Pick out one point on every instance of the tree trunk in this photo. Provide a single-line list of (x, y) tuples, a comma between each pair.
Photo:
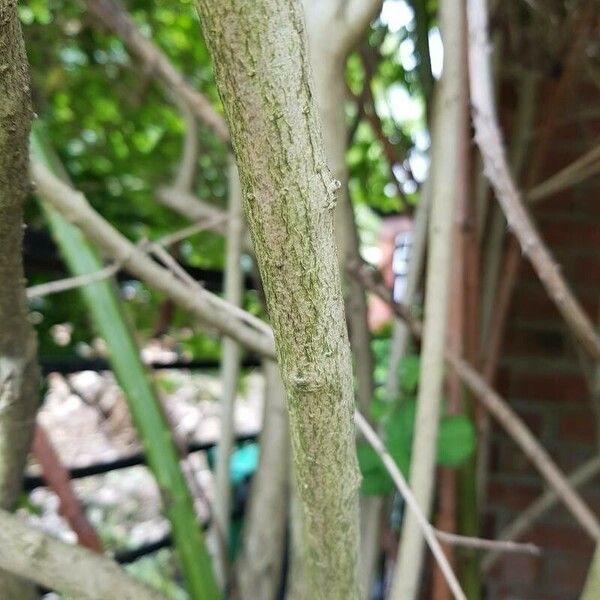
[(264, 79), (18, 368), (330, 95)]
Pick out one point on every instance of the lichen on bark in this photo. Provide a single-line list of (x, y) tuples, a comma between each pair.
[(262, 71)]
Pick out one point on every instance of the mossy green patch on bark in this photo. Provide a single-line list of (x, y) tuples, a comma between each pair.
[(262, 71)]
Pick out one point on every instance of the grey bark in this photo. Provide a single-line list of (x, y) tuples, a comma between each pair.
[(333, 28), (66, 568), (18, 368), (330, 95), (260, 562), (264, 79)]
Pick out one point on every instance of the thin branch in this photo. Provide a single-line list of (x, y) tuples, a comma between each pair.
[(230, 365), (186, 173), (489, 140), (70, 569), (207, 223), (500, 410), (534, 512), (421, 35), (582, 168), (428, 532), (69, 283), (357, 14), (58, 479), (115, 18), (207, 307), (500, 546), (194, 209), (551, 119)]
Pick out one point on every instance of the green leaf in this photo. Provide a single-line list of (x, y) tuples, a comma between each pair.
[(456, 440), (409, 373), (399, 434), (368, 459), (375, 479), (377, 483)]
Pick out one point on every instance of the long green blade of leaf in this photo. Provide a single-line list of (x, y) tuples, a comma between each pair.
[(109, 320)]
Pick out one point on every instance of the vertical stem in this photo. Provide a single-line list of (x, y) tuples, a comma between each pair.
[(400, 331), (422, 46), (330, 95), (230, 369), (260, 564), (18, 345), (449, 510), (289, 197), (446, 137)]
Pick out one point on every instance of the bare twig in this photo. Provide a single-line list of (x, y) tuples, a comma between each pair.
[(499, 546), (489, 140), (207, 223), (533, 513), (463, 541), (207, 307), (501, 411), (428, 532), (551, 119), (113, 16), (230, 365), (69, 283), (582, 168)]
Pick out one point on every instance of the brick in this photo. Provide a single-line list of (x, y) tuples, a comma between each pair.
[(567, 234), (566, 572), (535, 304), (512, 495), (578, 427), (535, 342), (511, 459), (588, 270), (550, 387), (563, 538), (520, 569)]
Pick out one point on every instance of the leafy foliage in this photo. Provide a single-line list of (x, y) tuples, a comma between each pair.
[(455, 443)]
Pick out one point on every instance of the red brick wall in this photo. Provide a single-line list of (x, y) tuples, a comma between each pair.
[(541, 376)]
